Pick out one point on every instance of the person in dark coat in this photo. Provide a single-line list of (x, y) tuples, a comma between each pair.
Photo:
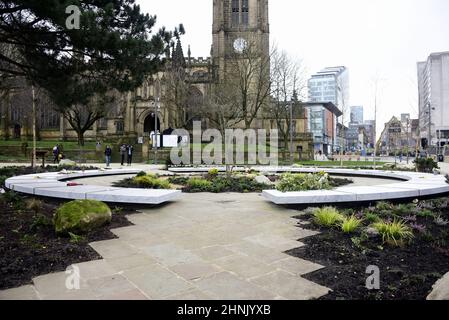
[(108, 155), (56, 154), (130, 151), (123, 151)]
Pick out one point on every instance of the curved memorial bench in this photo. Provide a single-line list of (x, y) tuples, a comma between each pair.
[(410, 185), (55, 185)]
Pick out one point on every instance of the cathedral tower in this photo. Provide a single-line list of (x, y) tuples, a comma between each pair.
[(236, 23)]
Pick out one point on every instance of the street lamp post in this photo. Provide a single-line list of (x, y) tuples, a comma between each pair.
[(408, 140), (34, 126), (156, 136), (291, 134)]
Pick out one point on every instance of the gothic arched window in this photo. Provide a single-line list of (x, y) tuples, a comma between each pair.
[(235, 12), (49, 118), (245, 12)]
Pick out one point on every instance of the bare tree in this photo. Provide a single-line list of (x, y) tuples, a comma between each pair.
[(344, 108), (288, 82), (244, 91)]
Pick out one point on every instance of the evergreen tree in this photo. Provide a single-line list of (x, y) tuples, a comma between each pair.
[(114, 49)]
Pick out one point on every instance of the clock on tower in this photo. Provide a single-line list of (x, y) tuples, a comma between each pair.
[(236, 25)]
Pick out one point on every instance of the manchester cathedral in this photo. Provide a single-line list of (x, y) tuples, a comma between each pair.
[(171, 98)]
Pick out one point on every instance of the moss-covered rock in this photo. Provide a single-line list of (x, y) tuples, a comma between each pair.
[(81, 217)]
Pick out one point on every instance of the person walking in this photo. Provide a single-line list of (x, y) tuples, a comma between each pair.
[(108, 155), (56, 154), (123, 151), (130, 151)]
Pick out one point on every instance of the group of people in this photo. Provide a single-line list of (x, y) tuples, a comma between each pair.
[(126, 153)]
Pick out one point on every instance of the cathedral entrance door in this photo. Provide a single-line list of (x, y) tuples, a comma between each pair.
[(149, 124)]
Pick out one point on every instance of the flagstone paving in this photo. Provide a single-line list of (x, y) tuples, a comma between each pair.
[(204, 246)]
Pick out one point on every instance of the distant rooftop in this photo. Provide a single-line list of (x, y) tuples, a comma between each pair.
[(434, 55), (328, 105), (331, 71)]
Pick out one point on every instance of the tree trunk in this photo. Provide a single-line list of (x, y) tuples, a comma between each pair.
[(80, 135)]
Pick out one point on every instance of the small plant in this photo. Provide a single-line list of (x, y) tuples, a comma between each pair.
[(440, 221), (351, 224), (150, 181), (303, 182), (2, 181), (35, 205), (117, 210), (410, 218), (28, 239), (425, 213), (328, 217), (383, 206), (141, 174), (371, 217), (394, 232), (199, 185), (418, 227), (40, 221), (213, 172), (74, 238), (178, 180), (403, 209)]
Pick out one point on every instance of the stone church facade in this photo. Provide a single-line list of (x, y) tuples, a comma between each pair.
[(137, 113)]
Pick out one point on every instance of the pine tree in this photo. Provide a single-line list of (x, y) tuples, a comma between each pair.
[(113, 50)]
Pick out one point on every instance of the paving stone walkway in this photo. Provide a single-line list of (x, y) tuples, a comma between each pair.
[(204, 246)]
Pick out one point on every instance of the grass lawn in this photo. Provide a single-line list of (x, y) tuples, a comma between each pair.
[(338, 163), (48, 144)]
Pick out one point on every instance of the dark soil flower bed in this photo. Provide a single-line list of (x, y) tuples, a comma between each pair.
[(29, 246), (217, 183), (407, 272)]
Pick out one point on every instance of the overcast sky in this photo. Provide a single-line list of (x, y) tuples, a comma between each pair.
[(374, 38)]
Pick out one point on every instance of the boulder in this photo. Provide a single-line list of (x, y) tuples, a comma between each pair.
[(440, 289), (81, 217), (67, 163), (263, 180)]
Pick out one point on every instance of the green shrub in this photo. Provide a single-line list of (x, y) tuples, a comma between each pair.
[(81, 217), (384, 206), (213, 172), (351, 224), (303, 182), (395, 232), (425, 165), (425, 213), (141, 174), (403, 209), (327, 217), (199, 185), (178, 180), (372, 217), (40, 221), (150, 181), (14, 199), (2, 181)]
